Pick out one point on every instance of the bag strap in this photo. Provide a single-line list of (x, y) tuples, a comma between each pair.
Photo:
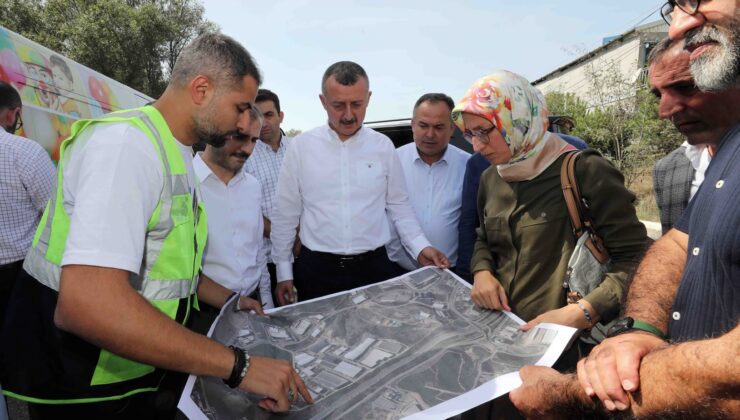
[(580, 222)]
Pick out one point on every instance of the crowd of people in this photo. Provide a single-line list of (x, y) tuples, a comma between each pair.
[(115, 263)]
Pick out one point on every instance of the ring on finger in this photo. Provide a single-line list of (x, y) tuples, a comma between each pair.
[(291, 395)]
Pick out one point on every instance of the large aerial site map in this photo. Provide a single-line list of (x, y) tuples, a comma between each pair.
[(413, 345)]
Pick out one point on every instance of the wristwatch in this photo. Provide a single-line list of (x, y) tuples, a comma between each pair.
[(628, 324)]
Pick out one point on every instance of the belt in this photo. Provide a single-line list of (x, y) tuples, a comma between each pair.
[(11, 265), (343, 261)]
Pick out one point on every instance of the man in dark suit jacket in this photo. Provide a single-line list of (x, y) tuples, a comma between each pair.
[(672, 177)]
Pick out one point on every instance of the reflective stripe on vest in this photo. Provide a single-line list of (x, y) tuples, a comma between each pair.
[(156, 281), (175, 239)]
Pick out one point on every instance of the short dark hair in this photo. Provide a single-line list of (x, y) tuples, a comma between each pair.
[(346, 73), (9, 97), (268, 95), (216, 56), (434, 98), (659, 50)]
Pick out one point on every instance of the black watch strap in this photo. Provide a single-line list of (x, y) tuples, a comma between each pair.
[(628, 324)]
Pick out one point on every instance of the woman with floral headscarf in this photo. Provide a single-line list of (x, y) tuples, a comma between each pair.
[(525, 237)]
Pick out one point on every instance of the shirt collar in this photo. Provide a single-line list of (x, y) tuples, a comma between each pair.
[(694, 153), (334, 136), (417, 157), (203, 172), (263, 144)]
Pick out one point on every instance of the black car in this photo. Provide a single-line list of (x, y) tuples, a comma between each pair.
[(399, 131)]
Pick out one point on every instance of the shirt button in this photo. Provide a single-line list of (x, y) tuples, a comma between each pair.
[(720, 183), (676, 315), (695, 251)]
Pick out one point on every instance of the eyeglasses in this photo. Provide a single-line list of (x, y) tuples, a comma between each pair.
[(687, 6), (481, 134)]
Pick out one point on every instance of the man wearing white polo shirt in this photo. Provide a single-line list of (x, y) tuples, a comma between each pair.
[(434, 171)]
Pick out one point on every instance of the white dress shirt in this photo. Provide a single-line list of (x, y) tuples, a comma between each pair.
[(233, 256), (699, 157), (340, 191), (264, 164), (27, 178), (435, 192)]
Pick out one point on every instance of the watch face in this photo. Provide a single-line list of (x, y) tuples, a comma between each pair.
[(621, 326)]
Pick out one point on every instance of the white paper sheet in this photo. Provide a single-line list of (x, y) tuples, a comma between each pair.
[(411, 347)]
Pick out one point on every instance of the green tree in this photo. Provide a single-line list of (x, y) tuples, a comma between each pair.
[(133, 41), (293, 132), (620, 120)]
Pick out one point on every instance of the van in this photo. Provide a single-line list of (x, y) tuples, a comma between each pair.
[(57, 91)]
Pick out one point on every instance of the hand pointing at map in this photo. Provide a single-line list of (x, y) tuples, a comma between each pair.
[(275, 379)]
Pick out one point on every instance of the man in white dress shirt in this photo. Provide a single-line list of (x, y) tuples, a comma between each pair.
[(233, 256), (338, 180), (434, 171)]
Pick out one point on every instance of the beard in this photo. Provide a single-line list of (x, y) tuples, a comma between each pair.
[(223, 159), (717, 68), (206, 130)]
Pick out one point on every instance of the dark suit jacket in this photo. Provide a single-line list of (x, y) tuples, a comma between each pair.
[(672, 178)]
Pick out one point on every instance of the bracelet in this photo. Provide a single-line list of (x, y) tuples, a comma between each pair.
[(239, 371), (586, 314)]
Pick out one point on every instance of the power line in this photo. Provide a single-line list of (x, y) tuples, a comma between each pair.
[(652, 12)]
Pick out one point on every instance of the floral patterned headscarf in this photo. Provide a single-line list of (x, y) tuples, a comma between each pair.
[(518, 111)]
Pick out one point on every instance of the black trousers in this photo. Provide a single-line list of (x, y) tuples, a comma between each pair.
[(144, 406), (8, 274), (319, 274)]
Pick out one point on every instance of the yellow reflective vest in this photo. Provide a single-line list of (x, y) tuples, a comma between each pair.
[(175, 239)]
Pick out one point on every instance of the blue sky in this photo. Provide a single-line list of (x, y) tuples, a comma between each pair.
[(411, 47)]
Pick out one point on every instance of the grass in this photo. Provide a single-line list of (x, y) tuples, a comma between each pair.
[(642, 187)]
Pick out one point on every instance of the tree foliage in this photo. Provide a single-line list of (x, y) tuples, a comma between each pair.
[(620, 120), (133, 41), (293, 132)]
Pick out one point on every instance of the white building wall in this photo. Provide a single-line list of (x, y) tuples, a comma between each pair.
[(623, 58)]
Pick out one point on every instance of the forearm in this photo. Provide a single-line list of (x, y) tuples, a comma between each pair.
[(482, 259), (99, 305), (699, 379), (565, 399), (656, 280), (211, 292)]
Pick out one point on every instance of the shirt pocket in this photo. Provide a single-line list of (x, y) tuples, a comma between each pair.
[(541, 235), (498, 237), (371, 177)]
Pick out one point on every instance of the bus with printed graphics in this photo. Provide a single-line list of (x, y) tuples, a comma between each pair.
[(57, 91)]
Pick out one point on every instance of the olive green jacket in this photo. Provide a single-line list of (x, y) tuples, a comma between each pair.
[(525, 236)]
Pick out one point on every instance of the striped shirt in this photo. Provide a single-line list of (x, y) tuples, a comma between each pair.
[(706, 303), (27, 178), (264, 164)]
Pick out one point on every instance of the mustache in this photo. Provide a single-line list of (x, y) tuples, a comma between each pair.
[(347, 122), (241, 155), (704, 33)]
